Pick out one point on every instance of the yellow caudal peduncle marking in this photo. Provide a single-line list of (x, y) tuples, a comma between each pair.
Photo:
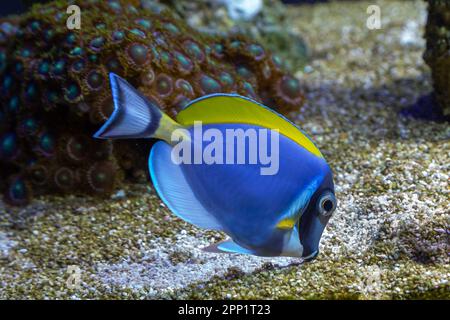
[(165, 129), (235, 109)]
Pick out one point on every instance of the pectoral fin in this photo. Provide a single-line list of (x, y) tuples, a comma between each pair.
[(291, 216)]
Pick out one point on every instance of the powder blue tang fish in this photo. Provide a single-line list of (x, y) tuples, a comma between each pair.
[(267, 209)]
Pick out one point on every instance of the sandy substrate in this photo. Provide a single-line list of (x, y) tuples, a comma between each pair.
[(389, 237)]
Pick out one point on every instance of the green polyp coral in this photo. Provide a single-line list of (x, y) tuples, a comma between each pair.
[(55, 89), (437, 54)]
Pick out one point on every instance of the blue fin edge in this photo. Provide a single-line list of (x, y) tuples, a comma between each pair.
[(114, 114)]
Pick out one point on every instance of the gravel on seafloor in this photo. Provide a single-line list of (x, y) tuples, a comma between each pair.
[(389, 237)]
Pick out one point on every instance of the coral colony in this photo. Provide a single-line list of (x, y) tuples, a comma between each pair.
[(55, 92)]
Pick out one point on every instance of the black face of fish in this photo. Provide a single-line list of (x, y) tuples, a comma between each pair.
[(315, 217)]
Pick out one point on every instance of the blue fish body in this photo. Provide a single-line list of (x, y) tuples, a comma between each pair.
[(280, 214), (246, 204)]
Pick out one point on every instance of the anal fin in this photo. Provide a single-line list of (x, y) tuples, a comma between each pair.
[(227, 246)]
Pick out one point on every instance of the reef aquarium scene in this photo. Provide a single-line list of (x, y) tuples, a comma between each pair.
[(225, 150)]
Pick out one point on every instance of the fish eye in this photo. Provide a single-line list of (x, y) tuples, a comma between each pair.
[(327, 204)]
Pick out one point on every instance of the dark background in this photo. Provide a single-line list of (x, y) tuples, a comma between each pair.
[(18, 6)]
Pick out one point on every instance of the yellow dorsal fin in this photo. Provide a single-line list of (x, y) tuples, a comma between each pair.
[(232, 108)]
